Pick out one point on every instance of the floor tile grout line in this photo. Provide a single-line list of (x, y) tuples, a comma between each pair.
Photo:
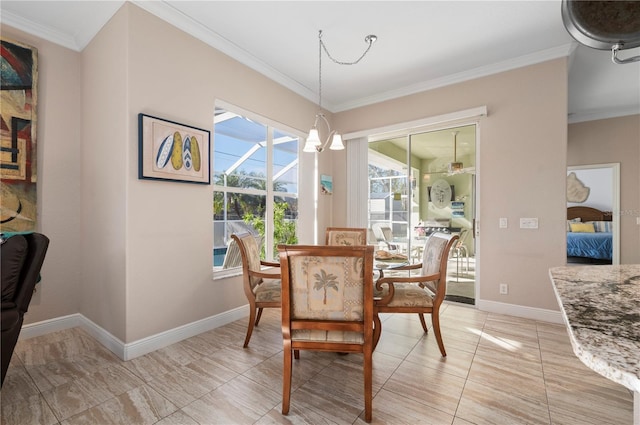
[(466, 379), (544, 375)]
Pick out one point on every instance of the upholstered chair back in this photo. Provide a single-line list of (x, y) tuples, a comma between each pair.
[(434, 260), (251, 251), (328, 288), (349, 236)]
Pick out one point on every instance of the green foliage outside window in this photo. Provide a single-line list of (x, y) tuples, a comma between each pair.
[(284, 230)]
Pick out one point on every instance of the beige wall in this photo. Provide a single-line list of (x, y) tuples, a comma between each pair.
[(168, 226), (134, 256), (59, 162), (615, 140), (521, 171)]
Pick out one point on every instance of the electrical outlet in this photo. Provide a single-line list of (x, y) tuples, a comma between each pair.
[(529, 223), (504, 289), (503, 222)]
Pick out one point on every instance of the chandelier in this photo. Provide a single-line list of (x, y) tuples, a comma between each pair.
[(314, 144)]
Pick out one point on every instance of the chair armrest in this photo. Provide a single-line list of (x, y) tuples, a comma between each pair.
[(265, 275), (409, 267), (269, 263), (400, 279), (407, 279)]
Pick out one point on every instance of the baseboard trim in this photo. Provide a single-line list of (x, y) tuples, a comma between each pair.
[(137, 348), (44, 327), (163, 339), (533, 313)]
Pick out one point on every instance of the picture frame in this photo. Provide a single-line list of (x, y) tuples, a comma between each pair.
[(171, 151), (453, 194), (326, 184), (18, 112)]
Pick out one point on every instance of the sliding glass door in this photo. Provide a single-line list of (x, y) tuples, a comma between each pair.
[(424, 182)]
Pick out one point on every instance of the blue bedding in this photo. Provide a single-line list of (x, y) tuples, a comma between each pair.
[(590, 245)]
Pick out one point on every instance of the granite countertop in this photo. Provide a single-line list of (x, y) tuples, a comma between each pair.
[(601, 307)]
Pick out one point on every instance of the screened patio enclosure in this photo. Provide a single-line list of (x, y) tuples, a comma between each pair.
[(255, 178)]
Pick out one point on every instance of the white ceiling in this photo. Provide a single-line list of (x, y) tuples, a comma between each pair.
[(421, 44)]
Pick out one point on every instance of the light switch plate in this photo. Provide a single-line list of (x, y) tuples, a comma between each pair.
[(503, 222), (529, 223)]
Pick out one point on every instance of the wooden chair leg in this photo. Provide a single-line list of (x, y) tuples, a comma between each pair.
[(377, 330), (286, 378), (259, 316), (252, 316), (423, 323), (435, 319), (368, 385)]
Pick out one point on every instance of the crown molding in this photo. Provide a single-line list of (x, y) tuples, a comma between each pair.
[(171, 15), (472, 74), (602, 114), (42, 31), (196, 29), (176, 18)]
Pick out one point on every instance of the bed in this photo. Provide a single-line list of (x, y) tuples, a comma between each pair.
[(589, 236)]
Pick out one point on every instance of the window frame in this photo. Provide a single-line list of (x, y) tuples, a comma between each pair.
[(269, 193)]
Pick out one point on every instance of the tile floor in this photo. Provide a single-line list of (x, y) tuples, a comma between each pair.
[(499, 370)]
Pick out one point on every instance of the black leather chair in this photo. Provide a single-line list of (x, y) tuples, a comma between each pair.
[(21, 258)]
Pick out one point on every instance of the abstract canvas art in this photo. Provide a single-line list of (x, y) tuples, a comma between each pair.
[(18, 81)]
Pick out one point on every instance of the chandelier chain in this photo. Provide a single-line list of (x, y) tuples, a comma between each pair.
[(370, 39)]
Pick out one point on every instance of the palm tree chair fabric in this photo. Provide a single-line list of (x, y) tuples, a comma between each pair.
[(261, 286), (327, 305), (422, 293), (349, 236)]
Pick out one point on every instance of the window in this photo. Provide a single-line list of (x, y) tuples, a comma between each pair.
[(255, 185), (388, 192)]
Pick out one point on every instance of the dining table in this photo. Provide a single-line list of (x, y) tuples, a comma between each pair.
[(601, 309)]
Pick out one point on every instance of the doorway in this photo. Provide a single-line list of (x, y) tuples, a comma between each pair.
[(596, 187), (422, 182)]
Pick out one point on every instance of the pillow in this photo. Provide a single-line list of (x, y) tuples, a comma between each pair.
[(573, 220), (582, 228), (602, 226)]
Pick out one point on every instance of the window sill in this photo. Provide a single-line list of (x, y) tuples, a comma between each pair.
[(219, 274)]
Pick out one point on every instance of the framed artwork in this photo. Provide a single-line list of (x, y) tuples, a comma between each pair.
[(441, 193), (18, 168), (172, 151), (326, 184)]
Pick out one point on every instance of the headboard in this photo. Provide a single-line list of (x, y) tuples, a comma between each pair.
[(588, 214)]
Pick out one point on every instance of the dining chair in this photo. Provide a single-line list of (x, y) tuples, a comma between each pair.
[(327, 305), (384, 235), (459, 250), (349, 236), (232, 257), (261, 286), (422, 293)]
